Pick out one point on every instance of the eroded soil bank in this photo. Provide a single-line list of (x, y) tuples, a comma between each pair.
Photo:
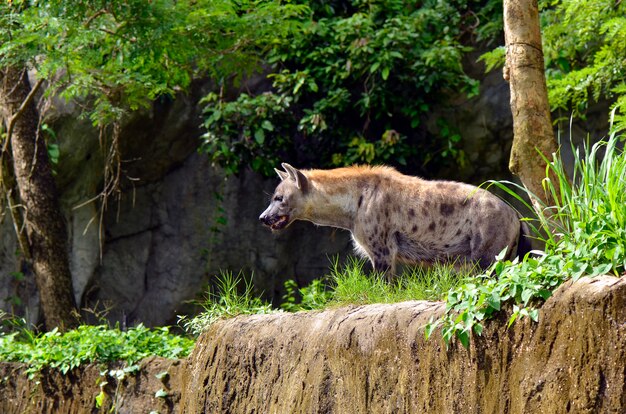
[(75, 392), (373, 359)]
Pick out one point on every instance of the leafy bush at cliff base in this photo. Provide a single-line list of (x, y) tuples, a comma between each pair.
[(354, 86), (588, 239), (87, 344)]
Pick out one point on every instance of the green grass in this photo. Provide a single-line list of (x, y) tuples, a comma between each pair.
[(352, 285), (346, 284)]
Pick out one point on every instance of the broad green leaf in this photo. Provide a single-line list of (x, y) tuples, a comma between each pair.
[(259, 136), (385, 73)]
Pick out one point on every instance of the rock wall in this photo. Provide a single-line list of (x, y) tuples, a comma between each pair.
[(372, 359), (165, 248), (178, 224)]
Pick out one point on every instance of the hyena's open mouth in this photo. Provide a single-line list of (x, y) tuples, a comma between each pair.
[(280, 223)]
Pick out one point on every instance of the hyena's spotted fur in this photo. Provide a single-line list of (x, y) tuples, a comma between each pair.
[(397, 218)]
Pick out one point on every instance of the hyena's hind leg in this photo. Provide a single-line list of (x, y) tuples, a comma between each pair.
[(488, 242)]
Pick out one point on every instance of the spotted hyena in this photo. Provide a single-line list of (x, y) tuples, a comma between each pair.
[(398, 218)]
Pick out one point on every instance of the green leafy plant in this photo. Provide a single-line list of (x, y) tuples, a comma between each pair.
[(585, 235), (493, 59), (314, 296), (236, 131), (590, 65), (87, 344), (390, 148)]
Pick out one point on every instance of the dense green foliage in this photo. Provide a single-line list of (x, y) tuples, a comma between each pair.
[(122, 55), (584, 44), (591, 64), (354, 86), (87, 344), (588, 238)]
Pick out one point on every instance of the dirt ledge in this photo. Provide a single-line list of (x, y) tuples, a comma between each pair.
[(372, 359), (54, 393)]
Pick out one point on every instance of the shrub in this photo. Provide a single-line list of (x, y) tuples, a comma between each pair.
[(87, 344), (354, 85)]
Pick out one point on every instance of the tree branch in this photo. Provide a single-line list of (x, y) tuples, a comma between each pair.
[(95, 16), (15, 116)]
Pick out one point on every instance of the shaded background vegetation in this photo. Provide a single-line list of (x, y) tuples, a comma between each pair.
[(356, 85)]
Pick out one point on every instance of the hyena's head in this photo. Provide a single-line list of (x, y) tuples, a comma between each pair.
[(288, 200)]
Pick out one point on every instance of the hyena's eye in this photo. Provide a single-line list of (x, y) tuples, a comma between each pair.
[(278, 198)]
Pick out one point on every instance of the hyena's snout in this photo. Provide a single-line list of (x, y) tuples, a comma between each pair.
[(265, 218), (273, 220)]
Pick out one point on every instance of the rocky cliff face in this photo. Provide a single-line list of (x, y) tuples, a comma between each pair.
[(374, 359), (179, 223)]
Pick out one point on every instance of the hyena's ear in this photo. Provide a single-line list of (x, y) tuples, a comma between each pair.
[(301, 181), (282, 174)]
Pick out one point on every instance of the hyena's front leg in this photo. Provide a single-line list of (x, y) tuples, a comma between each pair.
[(372, 240), (383, 258)]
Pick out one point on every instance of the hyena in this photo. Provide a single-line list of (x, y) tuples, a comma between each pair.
[(395, 218)]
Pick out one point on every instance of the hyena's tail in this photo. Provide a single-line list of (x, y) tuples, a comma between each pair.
[(524, 245)]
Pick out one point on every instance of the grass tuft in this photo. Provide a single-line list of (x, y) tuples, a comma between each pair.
[(351, 284), (227, 301)]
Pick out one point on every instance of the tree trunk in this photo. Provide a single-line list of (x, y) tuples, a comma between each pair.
[(45, 226), (524, 69)]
